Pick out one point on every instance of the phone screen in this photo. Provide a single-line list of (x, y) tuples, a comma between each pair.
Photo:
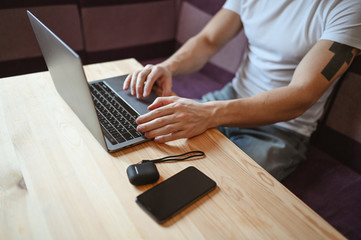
[(169, 197)]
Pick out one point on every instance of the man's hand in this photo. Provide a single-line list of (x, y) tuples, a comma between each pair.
[(173, 118), (141, 82)]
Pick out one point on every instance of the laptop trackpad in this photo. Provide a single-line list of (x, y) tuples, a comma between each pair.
[(140, 105)]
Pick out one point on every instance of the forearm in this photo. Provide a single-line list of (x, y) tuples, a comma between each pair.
[(273, 106), (190, 57), (200, 48)]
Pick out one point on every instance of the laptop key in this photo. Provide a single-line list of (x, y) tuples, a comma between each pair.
[(109, 137), (128, 136), (135, 133), (122, 130), (116, 116), (119, 138)]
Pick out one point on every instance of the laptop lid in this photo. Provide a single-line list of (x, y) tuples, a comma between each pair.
[(67, 72)]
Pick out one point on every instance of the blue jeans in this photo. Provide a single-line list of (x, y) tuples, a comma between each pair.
[(278, 150)]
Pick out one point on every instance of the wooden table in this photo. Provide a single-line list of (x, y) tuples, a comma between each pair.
[(57, 182)]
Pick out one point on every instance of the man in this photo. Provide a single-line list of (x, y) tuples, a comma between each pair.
[(297, 51)]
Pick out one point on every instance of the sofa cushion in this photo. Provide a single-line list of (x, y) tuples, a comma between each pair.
[(339, 146), (330, 189), (195, 85)]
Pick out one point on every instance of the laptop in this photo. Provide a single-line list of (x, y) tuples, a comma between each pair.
[(104, 108)]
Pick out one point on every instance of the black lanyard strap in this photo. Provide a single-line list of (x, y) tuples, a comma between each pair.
[(180, 157)]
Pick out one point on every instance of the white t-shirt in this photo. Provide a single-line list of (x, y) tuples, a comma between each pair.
[(280, 33)]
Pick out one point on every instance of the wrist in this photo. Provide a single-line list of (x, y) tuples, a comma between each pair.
[(168, 66), (214, 110)]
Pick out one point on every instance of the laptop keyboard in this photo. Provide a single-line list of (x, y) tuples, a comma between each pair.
[(116, 117)]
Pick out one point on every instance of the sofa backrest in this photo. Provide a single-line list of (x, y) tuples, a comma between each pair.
[(115, 29), (103, 30), (99, 30), (339, 133), (19, 48)]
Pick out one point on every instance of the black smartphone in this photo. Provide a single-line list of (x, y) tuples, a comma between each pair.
[(174, 194)]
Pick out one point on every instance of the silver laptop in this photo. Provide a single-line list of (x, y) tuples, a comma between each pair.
[(104, 108)]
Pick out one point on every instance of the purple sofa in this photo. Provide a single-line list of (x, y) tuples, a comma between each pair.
[(330, 180), (150, 30)]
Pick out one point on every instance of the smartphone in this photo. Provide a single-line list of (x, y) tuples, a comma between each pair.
[(174, 194)]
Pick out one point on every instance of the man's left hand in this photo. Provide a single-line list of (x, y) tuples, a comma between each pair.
[(173, 118)]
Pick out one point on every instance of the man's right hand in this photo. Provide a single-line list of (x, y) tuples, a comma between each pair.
[(141, 82)]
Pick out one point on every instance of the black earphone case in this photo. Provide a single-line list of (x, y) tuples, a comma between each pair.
[(142, 173)]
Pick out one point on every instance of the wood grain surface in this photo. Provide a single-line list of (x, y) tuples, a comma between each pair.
[(57, 182)]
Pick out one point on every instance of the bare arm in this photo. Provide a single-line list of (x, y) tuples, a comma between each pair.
[(174, 118), (321, 66), (199, 49), (189, 58)]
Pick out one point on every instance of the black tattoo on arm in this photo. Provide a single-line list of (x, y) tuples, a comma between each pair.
[(343, 53)]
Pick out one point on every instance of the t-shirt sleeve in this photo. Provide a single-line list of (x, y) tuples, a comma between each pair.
[(233, 5), (344, 23)]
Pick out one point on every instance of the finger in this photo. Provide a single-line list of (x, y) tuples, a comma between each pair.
[(142, 76), (162, 101), (169, 137), (155, 75), (167, 89), (151, 79), (164, 130), (155, 115), (127, 81), (133, 82)]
